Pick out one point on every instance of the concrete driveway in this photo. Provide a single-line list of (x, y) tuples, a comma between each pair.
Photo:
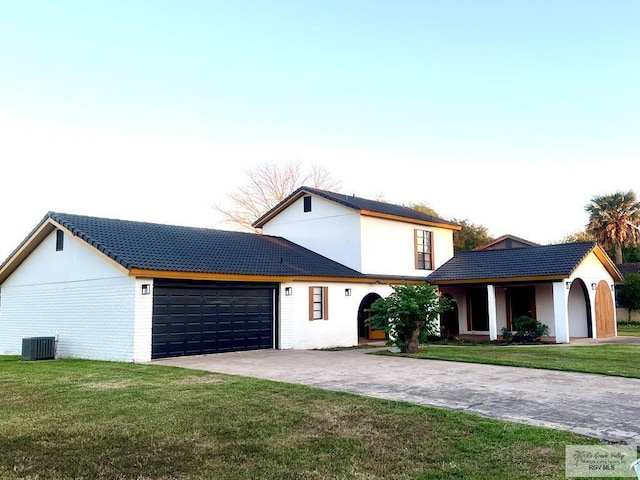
[(594, 405)]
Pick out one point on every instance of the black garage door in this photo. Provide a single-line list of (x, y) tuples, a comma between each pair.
[(192, 318)]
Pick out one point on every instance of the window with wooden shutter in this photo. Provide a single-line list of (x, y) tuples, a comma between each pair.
[(423, 240), (318, 303)]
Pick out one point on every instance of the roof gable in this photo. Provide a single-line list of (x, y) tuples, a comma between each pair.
[(362, 205), (507, 241), (153, 247), (550, 262)]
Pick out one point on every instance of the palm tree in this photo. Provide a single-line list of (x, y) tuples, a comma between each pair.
[(614, 220)]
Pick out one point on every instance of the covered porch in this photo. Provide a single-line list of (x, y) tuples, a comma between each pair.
[(569, 288)]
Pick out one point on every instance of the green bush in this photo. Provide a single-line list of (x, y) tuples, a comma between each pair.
[(507, 336), (528, 329)]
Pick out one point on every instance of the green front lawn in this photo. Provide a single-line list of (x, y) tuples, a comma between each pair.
[(629, 329), (617, 360), (67, 419)]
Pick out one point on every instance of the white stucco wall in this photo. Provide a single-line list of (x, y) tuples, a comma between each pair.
[(388, 247), (328, 229), (367, 244), (544, 306), (340, 330), (86, 302), (590, 271)]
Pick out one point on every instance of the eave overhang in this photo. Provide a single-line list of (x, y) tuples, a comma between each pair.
[(501, 280), (398, 218)]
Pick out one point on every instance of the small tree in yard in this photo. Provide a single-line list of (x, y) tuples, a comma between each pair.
[(409, 314), (629, 293)]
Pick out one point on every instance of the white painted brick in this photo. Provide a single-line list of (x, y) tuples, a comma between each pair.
[(90, 318)]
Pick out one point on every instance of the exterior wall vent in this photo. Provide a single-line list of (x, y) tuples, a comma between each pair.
[(38, 348)]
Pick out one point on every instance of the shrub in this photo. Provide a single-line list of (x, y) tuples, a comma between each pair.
[(507, 336), (528, 329)]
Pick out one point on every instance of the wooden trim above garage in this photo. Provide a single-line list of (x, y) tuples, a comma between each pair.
[(139, 272)]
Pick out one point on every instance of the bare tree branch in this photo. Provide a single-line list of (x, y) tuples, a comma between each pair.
[(266, 186)]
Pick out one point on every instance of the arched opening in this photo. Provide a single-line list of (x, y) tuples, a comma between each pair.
[(449, 322), (579, 310), (605, 320), (364, 330)]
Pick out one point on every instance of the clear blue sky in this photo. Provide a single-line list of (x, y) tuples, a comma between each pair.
[(512, 114)]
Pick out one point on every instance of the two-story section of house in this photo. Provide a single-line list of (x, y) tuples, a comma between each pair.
[(369, 236), (382, 241)]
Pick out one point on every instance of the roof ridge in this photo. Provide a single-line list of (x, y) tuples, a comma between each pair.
[(359, 204)]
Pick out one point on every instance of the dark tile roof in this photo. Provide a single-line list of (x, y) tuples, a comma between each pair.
[(626, 268), (524, 262), (152, 246), (358, 203)]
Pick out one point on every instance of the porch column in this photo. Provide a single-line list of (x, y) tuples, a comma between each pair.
[(493, 312), (561, 312)]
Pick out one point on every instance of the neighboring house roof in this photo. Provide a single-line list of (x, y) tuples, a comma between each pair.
[(507, 241), (544, 262), (151, 249), (626, 268), (365, 206)]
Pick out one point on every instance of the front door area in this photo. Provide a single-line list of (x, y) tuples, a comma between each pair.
[(364, 329)]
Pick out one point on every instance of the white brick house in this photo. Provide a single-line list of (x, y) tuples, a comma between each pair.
[(130, 291)]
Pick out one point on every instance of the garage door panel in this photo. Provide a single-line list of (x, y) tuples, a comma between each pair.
[(193, 318)]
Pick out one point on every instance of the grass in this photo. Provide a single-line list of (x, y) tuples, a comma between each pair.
[(73, 419), (615, 360), (629, 329)]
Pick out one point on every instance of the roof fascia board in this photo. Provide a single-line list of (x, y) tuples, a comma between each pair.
[(260, 222), (608, 263), (467, 281), (139, 272), (398, 218)]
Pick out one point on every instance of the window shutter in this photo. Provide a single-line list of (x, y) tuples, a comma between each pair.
[(431, 237), (325, 302), (310, 303), (415, 249)]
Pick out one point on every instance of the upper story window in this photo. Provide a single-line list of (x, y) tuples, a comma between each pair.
[(423, 240), (307, 203), (318, 303), (59, 240)]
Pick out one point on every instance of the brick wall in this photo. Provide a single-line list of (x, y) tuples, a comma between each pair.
[(90, 318)]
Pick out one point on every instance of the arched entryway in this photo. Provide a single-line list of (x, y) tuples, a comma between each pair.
[(579, 309), (449, 323), (605, 320), (364, 330)]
